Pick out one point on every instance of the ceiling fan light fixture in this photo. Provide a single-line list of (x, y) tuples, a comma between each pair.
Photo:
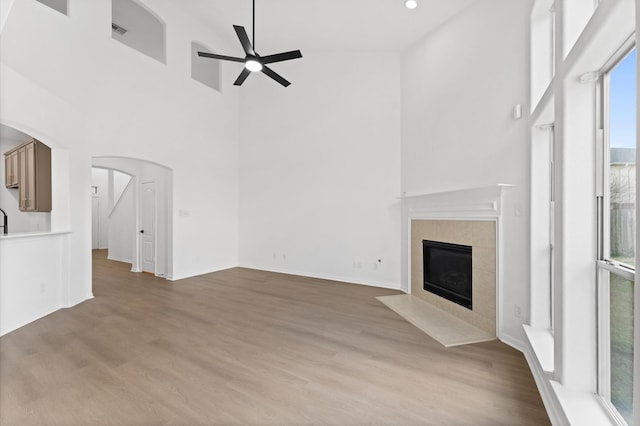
[(253, 65), (252, 61), (411, 4)]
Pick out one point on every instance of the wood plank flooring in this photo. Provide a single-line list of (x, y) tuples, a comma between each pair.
[(249, 347)]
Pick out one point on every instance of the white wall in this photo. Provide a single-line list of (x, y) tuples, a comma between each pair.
[(320, 168), (133, 106), (122, 228), (459, 86), (27, 292), (119, 184)]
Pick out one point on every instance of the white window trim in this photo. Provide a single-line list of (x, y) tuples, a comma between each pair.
[(605, 266)]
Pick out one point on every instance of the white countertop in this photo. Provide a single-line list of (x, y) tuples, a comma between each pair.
[(16, 235)]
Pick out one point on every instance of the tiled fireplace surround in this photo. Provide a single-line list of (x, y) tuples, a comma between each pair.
[(469, 217), (481, 236)]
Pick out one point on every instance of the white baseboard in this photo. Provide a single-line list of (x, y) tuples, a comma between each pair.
[(288, 272), (119, 259), (184, 276), (549, 398), (323, 277), (516, 344)]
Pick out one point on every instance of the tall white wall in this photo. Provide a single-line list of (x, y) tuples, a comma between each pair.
[(459, 86), (320, 168), (134, 106)]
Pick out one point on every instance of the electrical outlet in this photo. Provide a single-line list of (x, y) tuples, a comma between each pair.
[(517, 311)]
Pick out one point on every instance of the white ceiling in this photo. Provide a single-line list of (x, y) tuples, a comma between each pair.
[(352, 25)]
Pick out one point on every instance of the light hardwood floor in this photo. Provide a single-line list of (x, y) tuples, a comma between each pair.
[(250, 347)]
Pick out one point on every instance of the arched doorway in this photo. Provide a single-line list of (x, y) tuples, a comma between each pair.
[(129, 208)]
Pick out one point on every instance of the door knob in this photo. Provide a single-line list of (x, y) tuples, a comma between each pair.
[(142, 231)]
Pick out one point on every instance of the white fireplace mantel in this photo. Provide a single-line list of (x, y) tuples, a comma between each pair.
[(483, 203)]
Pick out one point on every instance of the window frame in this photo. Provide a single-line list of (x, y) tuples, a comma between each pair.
[(604, 265)]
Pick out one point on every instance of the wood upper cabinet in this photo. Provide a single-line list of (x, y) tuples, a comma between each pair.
[(33, 166)]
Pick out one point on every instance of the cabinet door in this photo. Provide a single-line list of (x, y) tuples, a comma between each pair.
[(14, 169), (27, 172), (8, 171), (22, 171), (31, 177), (11, 170)]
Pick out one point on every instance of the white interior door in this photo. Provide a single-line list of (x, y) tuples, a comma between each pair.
[(148, 229), (95, 223)]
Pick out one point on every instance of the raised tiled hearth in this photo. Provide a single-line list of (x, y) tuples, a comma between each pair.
[(481, 236)]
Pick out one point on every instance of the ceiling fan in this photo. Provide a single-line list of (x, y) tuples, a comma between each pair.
[(252, 61)]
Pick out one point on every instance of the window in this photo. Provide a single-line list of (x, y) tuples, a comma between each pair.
[(138, 28), (616, 168), (543, 255), (205, 70), (59, 5)]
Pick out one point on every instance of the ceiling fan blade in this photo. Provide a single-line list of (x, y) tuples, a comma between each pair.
[(244, 40), (277, 77), (279, 57), (242, 77), (224, 58)]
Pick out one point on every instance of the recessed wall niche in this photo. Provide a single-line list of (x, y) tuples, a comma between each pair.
[(204, 70), (59, 5), (137, 27)]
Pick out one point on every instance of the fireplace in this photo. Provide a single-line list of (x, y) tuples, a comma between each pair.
[(447, 271), (468, 217)]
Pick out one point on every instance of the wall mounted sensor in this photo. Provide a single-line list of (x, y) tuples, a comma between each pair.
[(517, 112)]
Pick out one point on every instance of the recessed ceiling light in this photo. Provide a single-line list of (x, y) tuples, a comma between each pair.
[(411, 4)]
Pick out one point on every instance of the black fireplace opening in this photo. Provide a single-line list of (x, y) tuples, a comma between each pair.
[(447, 271)]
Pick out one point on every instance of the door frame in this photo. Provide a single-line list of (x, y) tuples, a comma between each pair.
[(139, 237)]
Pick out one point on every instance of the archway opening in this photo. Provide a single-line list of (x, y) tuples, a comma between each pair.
[(124, 208)]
